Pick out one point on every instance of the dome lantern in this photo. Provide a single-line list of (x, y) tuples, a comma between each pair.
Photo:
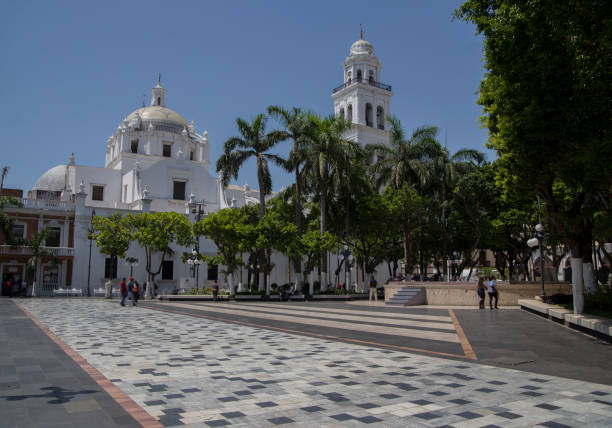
[(158, 94)]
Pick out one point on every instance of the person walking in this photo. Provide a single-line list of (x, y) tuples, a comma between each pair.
[(372, 283), (136, 291), (130, 290), (215, 290), (481, 292), (123, 290), (492, 290)]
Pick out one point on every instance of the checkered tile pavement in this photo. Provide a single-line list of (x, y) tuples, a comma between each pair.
[(189, 371)]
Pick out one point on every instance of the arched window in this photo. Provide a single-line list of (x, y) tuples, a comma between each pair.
[(368, 115), (371, 76), (359, 76), (342, 113), (158, 100), (348, 77), (380, 117), (349, 113)]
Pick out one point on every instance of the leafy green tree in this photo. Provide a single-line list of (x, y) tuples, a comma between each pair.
[(112, 236), (6, 222), (156, 232), (227, 229), (408, 208), (448, 170), (471, 221), (312, 245), (547, 106)]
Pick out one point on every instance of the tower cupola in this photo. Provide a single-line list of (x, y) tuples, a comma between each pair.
[(158, 94)]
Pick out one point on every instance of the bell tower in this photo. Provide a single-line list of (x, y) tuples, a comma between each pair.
[(362, 99)]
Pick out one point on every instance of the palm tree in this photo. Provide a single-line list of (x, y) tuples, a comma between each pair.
[(328, 150), (404, 160), (449, 170), (39, 252), (4, 172), (253, 142), (297, 127)]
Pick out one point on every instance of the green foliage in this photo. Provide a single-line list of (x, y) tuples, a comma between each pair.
[(112, 235), (253, 142), (546, 103), (230, 231), (156, 232)]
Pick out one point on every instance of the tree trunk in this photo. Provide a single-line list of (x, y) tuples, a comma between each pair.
[(407, 253), (297, 260), (577, 284), (323, 272), (230, 280)]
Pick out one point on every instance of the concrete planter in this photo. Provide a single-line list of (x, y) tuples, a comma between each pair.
[(464, 293)]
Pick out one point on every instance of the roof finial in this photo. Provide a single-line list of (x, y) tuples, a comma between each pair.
[(143, 99), (360, 31), (159, 79)]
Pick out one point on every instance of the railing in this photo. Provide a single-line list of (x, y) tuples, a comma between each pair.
[(365, 82), (45, 204), (26, 250)]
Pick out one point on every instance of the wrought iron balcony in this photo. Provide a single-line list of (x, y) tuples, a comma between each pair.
[(365, 82)]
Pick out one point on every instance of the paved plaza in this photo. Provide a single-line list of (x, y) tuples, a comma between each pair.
[(200, 365)]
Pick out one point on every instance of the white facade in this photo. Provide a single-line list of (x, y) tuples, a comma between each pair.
[(156, 161), (362, 99)]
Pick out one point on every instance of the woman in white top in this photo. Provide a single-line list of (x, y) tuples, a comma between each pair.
[(492, 290)]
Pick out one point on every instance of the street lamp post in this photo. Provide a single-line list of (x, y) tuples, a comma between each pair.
[(93, 213), (347, 257), (132, 261), (537, 240), (199, 209), (194, 261)]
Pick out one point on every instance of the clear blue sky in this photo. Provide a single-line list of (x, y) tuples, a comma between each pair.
[(72, 70)]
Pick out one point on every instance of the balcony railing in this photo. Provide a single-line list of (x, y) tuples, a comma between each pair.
[(26, 250), (365, 82), (45, 204)]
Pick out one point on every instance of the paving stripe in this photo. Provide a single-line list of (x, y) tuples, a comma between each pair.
[(130, 406), (394, 331), (168, 308), (357, 312), (372, 317), (465, 343)]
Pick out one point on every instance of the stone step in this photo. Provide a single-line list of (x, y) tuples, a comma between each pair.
[(406, 296)]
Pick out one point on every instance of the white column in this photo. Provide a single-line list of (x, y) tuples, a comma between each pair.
[(577, 284)]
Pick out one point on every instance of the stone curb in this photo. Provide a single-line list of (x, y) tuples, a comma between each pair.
[(590, 324)]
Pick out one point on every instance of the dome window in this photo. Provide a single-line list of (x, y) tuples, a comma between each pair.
[(349, 113), (359, 75), (167, 150), (371, 76), (134, 146)]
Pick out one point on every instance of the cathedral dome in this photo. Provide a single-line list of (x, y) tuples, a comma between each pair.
[(160, 117), (361, 47), (54, 180)]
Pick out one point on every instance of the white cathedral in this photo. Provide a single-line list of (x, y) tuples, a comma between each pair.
[(157, 161)]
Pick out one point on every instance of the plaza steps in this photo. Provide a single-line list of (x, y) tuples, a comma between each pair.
[(407, 296)]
